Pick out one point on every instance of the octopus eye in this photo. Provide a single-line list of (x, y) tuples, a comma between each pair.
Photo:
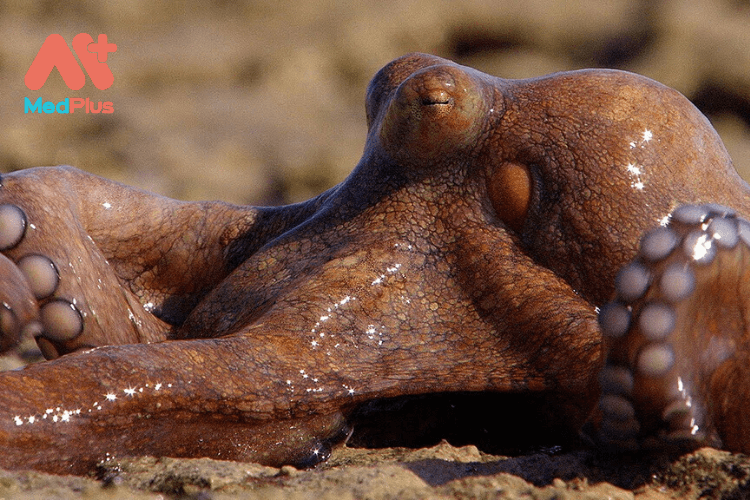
[(510, 190), (436, 97), (435, 114)]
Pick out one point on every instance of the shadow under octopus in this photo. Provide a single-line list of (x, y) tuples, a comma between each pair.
[(454, 277)]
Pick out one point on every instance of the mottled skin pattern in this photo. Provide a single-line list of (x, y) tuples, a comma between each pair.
[(467, 251)]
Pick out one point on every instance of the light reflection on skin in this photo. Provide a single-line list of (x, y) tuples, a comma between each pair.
[(62, 415), (327, 320), (634, 168)]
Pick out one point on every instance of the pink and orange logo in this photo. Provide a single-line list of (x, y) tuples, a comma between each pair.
[(55, 53)]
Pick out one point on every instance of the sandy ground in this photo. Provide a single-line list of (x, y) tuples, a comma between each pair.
[(439, 472), (262, 102)]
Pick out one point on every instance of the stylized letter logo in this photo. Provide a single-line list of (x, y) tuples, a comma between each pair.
[(55, 53)]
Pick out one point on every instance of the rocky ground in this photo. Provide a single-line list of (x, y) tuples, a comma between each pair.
[(262, 102), (439, 472)]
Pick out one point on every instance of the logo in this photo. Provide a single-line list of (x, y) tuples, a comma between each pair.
[(55, 53)]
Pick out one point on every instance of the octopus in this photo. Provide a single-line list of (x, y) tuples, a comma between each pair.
[(562, 241)]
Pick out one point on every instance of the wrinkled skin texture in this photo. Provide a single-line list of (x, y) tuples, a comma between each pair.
[(467, 251)]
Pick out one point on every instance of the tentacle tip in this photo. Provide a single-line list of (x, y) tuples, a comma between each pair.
[(32, 329)]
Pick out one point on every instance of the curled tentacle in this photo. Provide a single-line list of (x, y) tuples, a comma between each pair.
[(19, 312), (53, 291), (52, 320), (679, 320)]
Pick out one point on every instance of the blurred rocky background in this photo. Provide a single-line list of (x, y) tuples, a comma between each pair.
[(262, 101)]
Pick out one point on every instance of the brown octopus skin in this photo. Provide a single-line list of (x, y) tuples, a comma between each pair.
[(467, 251)]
